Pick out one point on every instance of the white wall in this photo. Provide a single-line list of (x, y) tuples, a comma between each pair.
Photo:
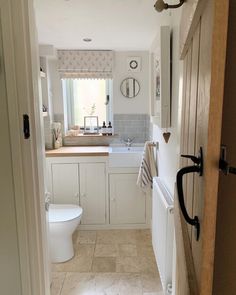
[(168, 154), (56, 87), (139, 104)]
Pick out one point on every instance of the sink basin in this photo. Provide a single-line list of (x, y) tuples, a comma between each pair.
[(125, 149), (122, 156)]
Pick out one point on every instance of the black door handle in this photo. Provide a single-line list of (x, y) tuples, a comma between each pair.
[(197, 168)]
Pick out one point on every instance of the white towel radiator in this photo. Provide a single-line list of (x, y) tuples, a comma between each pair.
[(163, 232)]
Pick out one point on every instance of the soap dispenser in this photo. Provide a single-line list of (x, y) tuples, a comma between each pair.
[(104, 128), (109, 128)]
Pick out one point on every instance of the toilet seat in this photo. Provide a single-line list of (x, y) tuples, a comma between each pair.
[(64, 212)]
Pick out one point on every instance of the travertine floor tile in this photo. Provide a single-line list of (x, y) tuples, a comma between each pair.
[(102, 284), (144, 237), (109, 262), (57, 282), (106, 250), (127, 237), (104, 264), (107, 236), (145, 250), (117, 236), (86, 237), (79, 283), (127, 250), (137, 264), (122, 284), (151, 282), (76, 264), (84, 249)]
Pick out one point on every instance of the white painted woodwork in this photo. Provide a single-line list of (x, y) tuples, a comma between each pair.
[(161, 105), (9, 246), (90, 176), (65, 183), (19, 59), (127, 201), (93, 192)]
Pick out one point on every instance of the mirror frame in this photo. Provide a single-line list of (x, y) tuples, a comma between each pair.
[(139, 87)]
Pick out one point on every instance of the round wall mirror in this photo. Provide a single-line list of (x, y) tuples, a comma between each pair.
[(130, 87)]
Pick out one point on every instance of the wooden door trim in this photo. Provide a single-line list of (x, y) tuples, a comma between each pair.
[(191, 14), (184, 251), (219, 46)]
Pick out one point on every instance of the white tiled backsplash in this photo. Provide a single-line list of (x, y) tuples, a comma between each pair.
[(135, 126)]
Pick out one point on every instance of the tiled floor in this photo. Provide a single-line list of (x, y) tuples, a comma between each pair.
[(109, 262)]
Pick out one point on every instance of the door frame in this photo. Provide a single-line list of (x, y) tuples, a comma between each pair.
[(23, 92), (192, 12)]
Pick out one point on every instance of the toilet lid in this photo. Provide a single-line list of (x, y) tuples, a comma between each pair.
[(63, 212)]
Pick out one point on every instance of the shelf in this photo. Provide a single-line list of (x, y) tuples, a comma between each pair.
[(94, 135), (42, 74)]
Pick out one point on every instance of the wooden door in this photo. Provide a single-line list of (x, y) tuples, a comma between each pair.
[(203, 49), (65, 183), (127, 202), (93, 193)]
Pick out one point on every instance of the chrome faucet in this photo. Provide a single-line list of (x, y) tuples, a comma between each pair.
[(128, 142)]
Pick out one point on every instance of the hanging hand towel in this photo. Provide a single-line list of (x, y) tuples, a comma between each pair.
[(148, 168)]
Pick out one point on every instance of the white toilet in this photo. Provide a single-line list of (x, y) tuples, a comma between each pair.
[(63, 220)]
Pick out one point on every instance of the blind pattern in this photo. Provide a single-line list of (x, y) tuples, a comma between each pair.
[(87, 64)]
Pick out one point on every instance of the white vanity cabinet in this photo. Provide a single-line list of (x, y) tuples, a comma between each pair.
[(127, 201), (65, 183), (81, 181), (93, 192), (109, 196)]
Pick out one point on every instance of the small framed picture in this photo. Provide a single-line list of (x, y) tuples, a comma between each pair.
[(91, 125), (134, 64)]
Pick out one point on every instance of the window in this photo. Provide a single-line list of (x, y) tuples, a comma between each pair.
[(86, 97)]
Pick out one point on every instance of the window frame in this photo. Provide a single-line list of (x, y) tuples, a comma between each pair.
[(68, 100)]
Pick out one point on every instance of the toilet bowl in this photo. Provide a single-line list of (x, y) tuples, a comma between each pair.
[(63, 220)]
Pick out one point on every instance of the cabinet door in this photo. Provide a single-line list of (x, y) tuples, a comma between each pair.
[(127, 201), (65, 183), (93, 193)]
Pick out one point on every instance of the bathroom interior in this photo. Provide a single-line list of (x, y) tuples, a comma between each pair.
[(110, 103)]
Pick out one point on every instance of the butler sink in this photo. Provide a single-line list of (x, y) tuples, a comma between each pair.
[(123, 156)]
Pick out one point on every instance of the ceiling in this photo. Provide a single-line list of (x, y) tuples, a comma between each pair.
[(111, 24)]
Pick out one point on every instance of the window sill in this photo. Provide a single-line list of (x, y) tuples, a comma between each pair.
[(92, 135)]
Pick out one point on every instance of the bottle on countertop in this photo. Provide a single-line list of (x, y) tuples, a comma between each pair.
[(109, 128), (104, 128)]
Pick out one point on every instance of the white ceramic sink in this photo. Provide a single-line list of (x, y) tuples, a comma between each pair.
[(125, 149), (122, 156)]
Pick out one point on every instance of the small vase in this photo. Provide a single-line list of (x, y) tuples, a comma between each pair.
[(57, 144)]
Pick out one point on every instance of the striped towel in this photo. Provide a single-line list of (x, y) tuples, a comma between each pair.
[(148, 168)]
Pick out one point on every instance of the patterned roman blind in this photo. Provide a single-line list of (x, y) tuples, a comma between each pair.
[(90, 64)]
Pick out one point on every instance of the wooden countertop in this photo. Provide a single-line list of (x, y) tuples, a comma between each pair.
[(79, 151)]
